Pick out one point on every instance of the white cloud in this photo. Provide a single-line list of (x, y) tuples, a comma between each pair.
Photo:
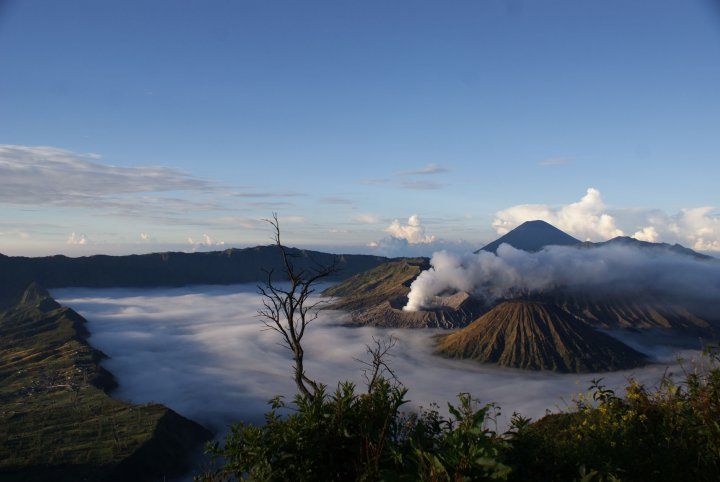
[(648, 234), (50, 175), (586, 219), (366, 218), (699, 226), (51, 178), (77, 239), (205, 242), (589, 219), (412, 240), (144, 237), (413, 232)]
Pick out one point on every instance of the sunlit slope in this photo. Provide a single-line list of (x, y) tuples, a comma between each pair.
[(538, 336), (385, 282)]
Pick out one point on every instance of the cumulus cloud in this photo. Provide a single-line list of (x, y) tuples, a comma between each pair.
[(412, 240), (590, 219), (648, 234), (615, 269), (77, 239), (700, 226), (586, 219), (206, 241), (413, 232), (210, 359)]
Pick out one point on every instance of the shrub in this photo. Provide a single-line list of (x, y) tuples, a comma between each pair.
[(668, 433), (362, 436)]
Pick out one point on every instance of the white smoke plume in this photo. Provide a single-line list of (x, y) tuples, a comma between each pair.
[(512, 272)]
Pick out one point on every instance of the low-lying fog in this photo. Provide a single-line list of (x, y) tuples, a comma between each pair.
[(203, 352)]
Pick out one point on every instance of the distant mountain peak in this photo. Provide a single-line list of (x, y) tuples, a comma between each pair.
[(532, 236)]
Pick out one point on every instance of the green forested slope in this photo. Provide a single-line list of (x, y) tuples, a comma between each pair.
[(56, 419)]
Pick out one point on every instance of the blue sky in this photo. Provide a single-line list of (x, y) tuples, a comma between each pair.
[(344, 116)]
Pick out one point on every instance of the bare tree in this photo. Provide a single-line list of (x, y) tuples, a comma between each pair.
[(378, 366), (289, 311)]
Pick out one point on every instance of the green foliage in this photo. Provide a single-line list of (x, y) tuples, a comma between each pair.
[(668, 433), (362, 436)]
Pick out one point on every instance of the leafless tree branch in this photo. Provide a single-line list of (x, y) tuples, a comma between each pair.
[(379, 364), (289, 311)]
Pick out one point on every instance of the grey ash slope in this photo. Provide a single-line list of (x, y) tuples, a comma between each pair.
[(532, 236)]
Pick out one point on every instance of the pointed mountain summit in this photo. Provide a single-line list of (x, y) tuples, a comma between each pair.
[(538, 336), (532, 236)]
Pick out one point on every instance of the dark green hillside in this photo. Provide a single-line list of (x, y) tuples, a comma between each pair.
[(55, 412), (168, 269)]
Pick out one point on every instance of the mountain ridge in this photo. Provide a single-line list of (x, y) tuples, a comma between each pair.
[(167, 268)]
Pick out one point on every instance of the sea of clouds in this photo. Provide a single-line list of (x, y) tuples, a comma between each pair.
[(202, 351)]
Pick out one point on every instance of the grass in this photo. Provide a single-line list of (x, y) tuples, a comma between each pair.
[(55, 412)]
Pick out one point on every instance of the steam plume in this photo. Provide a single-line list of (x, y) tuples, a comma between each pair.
[(623, 269)]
